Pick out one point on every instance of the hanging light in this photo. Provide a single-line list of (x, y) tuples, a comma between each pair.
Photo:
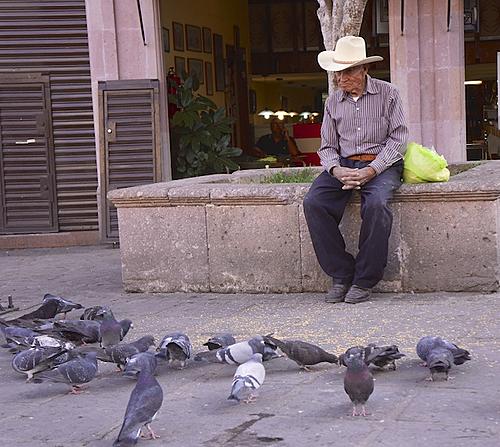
[(281, 114), (292, 114), (315, 114), (266, 113), (305, 115)]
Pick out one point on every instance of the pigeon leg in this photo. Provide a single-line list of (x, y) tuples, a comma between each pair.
[(363, 411), (306, 368), (394, 365), (354, 411), (422, 364), (150, 434), (250, 399), (75, 389)]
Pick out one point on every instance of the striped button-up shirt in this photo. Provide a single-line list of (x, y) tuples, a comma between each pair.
[(374, 124)]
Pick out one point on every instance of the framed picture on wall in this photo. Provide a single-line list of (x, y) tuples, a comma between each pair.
[(219, 64), (193, 38), (165, 36), (209, 78), (207, 40), (178, 36), (179, 65), (195, 66)]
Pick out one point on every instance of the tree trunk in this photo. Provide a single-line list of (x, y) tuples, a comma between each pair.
[(339, 18)]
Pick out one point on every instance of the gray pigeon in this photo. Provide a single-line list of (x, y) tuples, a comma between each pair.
[(138, 362), (112, 332), (63, 305), (34, 360), (248, 378), (47, 310), (439, 355), (379, 356), (176, 348), (15, 335), (303, 353), (241, 352), (428, 343), (121, 352), (75, 372), (220, 341), (358, 380), (98, 313), (145, 401)]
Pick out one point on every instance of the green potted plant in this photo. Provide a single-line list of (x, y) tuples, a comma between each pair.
[(200, 133)]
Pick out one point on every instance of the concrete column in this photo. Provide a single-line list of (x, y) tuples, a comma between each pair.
[(428, 66)]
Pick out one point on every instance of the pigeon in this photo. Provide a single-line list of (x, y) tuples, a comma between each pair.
[(143, 405), (46, 311), (379, 356), (303, 353), (176, 348), (15, 335), (428, 343), (112, 332), (249, 377), (75, 372), (439, 355), (63, 305), (121, 352), (34, 360), (220, 341), (98, 313), (358, 380), (138, 361), (241, 352), (78, 331)]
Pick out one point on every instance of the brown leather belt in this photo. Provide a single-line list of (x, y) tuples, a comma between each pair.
[(363, 157)]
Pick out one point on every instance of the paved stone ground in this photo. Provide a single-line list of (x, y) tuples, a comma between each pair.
[(295, 408)]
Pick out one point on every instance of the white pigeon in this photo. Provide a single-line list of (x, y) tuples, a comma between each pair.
[(248, 378)]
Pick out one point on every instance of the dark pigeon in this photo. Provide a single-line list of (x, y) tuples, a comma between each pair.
[(219, 341), (112, 332), (15, 335), (380, 356), (176, 348), (78, 331), (75, 372), (358, 380), (34, 360), (63, 305), (303, 353), (98, 313), (248, 378), (121, 352), (138, 362), (144, 403)]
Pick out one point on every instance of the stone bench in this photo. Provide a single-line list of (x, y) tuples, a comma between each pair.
[(230, 233)]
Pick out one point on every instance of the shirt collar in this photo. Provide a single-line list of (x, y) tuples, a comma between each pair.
[(370, 87)]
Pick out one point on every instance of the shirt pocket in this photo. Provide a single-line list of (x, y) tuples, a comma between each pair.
[(375, 129)]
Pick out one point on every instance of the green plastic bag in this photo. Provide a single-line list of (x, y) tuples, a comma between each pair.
[(422, 165)]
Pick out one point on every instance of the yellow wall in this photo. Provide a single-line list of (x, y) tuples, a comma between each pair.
[(218, 15)]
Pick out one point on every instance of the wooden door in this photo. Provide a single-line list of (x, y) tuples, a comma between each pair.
[(27, 167), (129, 141)]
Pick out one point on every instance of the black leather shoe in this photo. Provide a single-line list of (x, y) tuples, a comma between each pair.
[(357, 294), (337, 293)]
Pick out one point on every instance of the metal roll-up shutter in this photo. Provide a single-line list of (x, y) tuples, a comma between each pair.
[(50, 38), (129, 146)]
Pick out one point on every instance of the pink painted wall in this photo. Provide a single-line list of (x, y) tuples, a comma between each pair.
[(427, 65), (117, 52)]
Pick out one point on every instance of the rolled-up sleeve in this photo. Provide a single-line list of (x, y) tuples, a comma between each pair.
[(394, 146), (329, 150)]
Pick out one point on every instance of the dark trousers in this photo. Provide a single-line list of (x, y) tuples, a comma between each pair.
[(324, 207)]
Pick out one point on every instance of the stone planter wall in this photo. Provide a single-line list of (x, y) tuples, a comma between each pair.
[(228, 233)]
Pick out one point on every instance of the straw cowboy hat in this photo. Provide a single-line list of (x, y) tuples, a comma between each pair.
[(350, 51)]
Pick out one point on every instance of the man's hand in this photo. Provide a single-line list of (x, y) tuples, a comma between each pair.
[(353, 178)]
